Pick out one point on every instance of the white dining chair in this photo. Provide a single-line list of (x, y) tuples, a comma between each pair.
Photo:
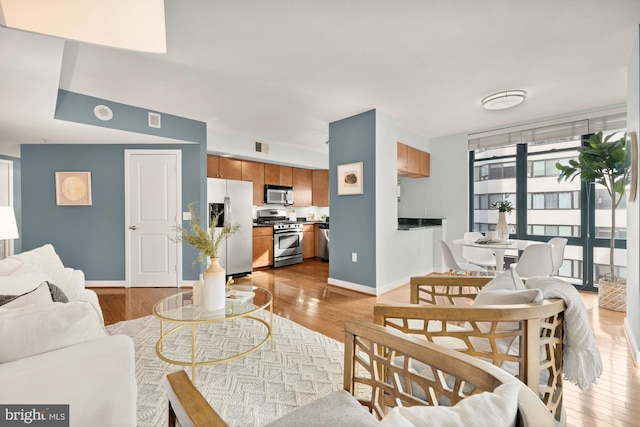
[(557, 251), (456, 266), (536, 260), (478, 256)]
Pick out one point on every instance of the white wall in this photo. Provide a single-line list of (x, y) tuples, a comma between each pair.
[(632, 322), (243, 147), (446, 190), (399, 254)]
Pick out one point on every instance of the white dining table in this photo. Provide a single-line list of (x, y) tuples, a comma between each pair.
[(497, 248)]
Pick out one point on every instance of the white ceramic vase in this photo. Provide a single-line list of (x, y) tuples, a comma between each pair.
[(214, 289), (502, 228)]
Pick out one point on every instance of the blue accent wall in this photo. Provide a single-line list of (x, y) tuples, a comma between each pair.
[(78, 108), (92, 238), (353, 217)]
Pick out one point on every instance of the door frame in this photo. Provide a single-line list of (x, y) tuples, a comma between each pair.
[(8, 249), (128, 153)]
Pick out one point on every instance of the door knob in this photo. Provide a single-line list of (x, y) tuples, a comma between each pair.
[(133, 227)]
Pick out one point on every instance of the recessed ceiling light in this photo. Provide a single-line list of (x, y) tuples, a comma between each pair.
[(103, 112), (502, 100)]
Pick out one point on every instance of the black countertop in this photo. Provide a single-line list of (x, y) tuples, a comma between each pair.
[(405, 224)]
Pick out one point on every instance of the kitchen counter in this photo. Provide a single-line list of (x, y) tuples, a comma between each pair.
[(408, 224)]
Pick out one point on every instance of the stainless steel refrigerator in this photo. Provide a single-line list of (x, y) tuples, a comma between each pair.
[(234, 198)]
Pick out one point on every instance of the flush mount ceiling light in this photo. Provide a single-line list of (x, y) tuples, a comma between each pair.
[(103, 113), (502, 100)]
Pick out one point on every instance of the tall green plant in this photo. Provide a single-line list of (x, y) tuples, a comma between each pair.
[(602, 161)]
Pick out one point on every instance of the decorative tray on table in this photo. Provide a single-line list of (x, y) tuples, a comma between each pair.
[(492, 241)]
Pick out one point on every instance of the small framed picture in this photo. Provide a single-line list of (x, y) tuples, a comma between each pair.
[(350, 179), (73, 188)]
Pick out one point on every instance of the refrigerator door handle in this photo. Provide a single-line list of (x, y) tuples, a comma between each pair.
[(227, 211)]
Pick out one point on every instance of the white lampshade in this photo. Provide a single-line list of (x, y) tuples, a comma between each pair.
[(8, 226)]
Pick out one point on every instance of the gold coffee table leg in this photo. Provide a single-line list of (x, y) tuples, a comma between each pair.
[(193, 353)]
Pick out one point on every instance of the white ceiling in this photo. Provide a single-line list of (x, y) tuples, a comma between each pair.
[(281, 71)]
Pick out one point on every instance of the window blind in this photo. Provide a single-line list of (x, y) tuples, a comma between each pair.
[(547, 131)]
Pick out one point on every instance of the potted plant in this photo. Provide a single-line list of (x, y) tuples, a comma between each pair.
[(603, 161), (504, 207), (208, 243)]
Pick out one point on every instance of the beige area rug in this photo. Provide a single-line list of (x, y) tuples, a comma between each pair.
[(250, 391)]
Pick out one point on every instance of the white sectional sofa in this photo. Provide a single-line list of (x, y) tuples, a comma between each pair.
[(55, 352)]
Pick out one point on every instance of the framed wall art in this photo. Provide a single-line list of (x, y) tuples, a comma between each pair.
[(632, 161), (350, 179), (73, 188)]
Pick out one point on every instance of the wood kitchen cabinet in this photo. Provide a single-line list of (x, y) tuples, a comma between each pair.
[(278, 175), (425, 164), (320, 191), (262, 247), (412, 162), (308, 241), (224, 167), (302, 187), (254, 171)]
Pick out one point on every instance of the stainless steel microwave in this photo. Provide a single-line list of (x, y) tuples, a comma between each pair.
[(278, 195)]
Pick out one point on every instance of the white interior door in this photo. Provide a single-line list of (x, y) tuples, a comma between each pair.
[(153, 183)]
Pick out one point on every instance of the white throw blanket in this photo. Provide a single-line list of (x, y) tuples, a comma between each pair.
[(582, 364)]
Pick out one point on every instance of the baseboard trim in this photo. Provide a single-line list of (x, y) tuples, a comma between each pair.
[(105, 284), (633, 345), (369, 290), (352, 286), (123, 284)]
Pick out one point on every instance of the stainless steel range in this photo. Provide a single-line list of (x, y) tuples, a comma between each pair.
[(287, 236)]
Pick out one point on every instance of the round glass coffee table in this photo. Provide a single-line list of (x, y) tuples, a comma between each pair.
[(179, 309)]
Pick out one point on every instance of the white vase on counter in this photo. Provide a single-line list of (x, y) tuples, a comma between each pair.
[(214, 289), (502, 228)]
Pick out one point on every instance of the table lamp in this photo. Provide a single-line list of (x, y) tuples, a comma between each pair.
[(8, 226)]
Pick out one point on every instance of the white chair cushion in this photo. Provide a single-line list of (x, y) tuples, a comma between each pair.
[(509, 279), (495, 409), (36, 329), (507, 296)]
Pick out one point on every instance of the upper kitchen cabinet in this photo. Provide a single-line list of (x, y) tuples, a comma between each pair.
[(278, 175), (320, 181), (412, 162), (254, 171), (425, 164), (302, 187), (224, 167)]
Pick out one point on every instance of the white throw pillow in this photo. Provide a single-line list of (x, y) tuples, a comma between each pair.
[(47, 260), (9, 265), (25, 279), (40, 295), (509, 279), (495, 409), (36, 329)]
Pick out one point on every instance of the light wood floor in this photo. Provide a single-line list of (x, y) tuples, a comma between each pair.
[(301, 295)]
